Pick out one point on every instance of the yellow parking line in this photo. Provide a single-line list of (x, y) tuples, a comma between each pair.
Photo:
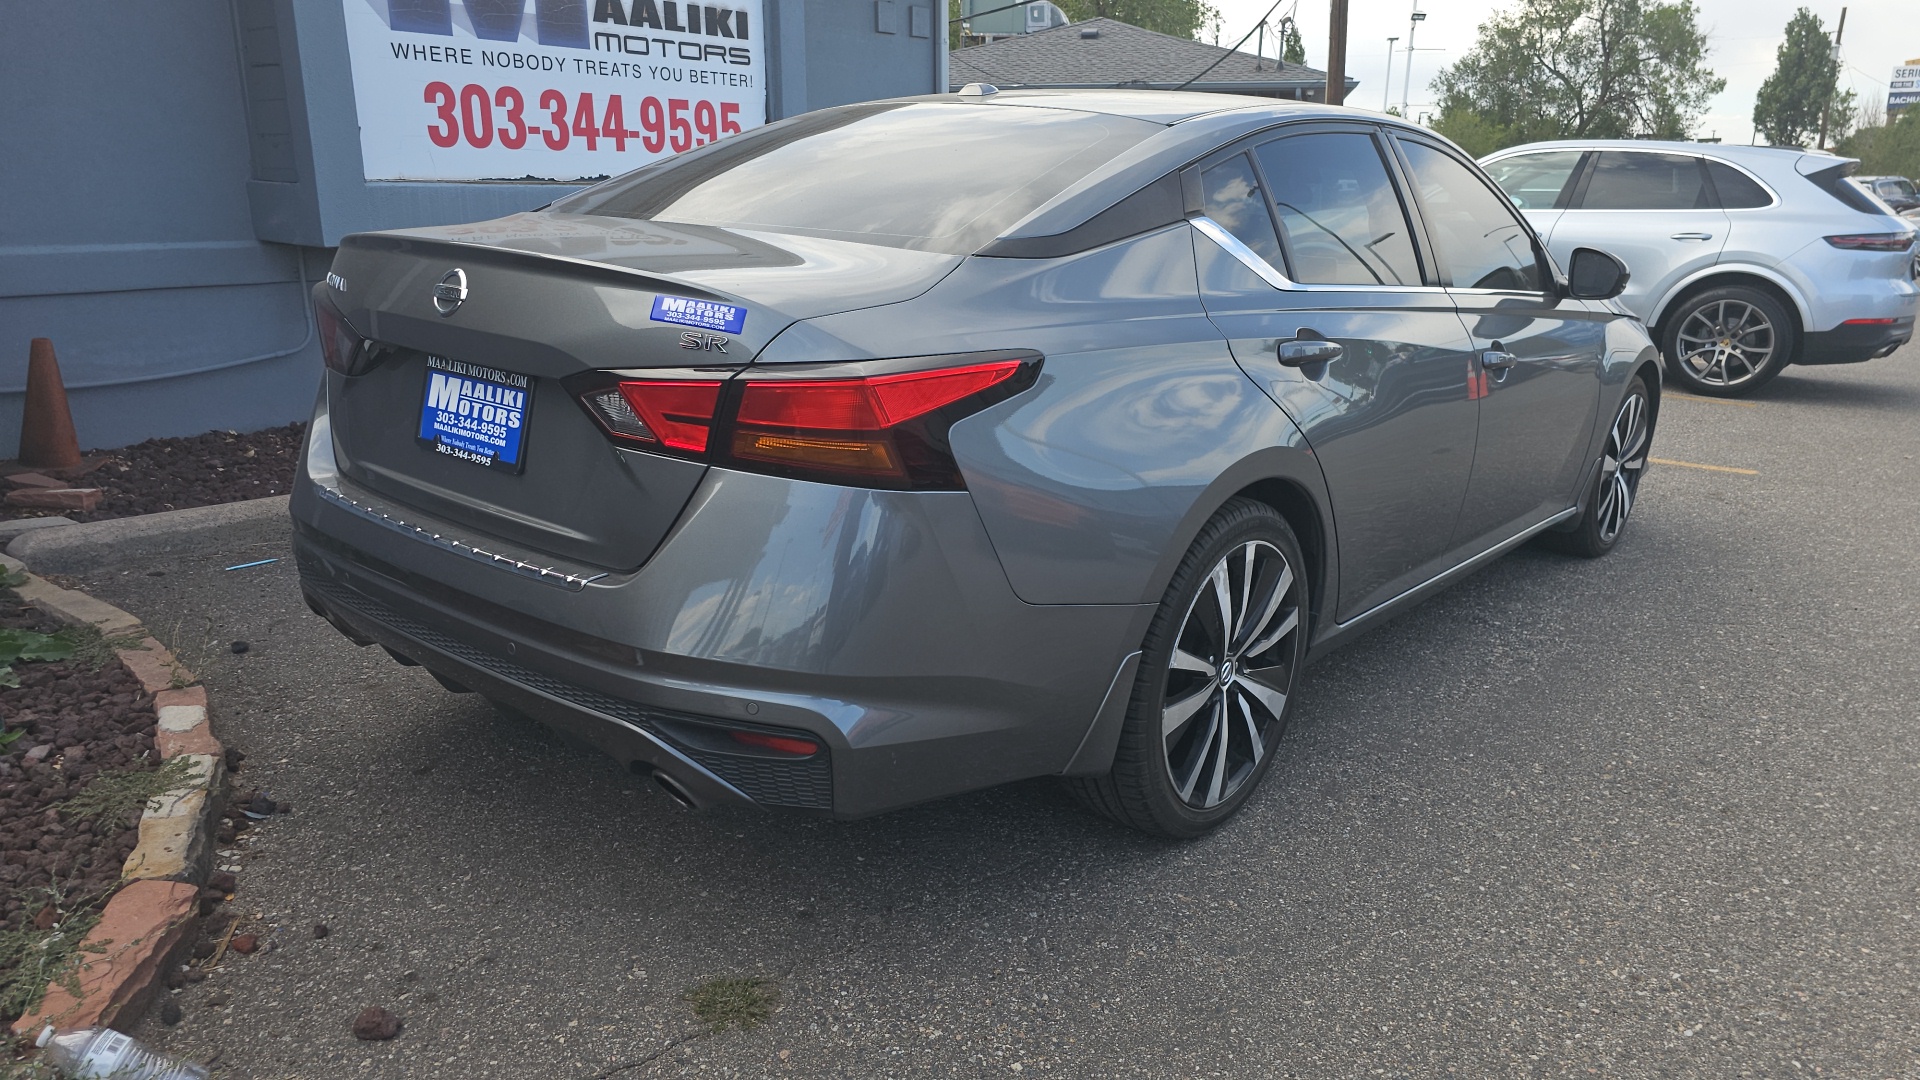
[(1711, 400), (1709, 468)]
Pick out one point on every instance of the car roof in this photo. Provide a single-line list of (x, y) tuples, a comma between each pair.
[(1154, 106)]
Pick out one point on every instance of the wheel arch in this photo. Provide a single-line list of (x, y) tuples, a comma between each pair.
[(1752, 277), (1288, 479)]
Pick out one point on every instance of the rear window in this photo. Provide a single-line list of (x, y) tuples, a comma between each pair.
[(926, 176), (1736, 189), (1638, 180), (1894, 189)]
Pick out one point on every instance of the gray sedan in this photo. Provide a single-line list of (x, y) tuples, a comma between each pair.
[(915, 446)]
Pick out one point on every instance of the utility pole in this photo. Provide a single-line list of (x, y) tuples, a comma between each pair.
[(1386, 84), (1406, 84), (1337, 53), (1835, 54)]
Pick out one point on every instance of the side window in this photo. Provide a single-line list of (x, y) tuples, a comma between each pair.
[(1638, 180), (1536, 181), (1234, 200), (1736, 189), (1339, 213), (1480, 241)]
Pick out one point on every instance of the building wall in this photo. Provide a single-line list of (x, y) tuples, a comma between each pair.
[(125, 233), (130, 231)]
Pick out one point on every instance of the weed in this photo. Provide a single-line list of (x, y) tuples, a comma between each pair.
[(741, 1003), (95, 649), (31, 958), (27, 645), (114, 795)]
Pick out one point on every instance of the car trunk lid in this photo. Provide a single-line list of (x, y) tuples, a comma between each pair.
[(489, 319)]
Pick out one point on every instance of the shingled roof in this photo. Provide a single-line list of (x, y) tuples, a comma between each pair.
[(1109, 54)]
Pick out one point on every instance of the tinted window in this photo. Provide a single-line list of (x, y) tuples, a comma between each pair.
[(1339, 213), (1635, 180), (1535, 181), (935, 177), (1736, 189), (1234, 200), (1482, 244)]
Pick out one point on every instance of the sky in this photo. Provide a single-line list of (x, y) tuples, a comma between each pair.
[(1742, 36)]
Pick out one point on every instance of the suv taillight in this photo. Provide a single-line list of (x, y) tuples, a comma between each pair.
[(1893, 241), (879, 428)]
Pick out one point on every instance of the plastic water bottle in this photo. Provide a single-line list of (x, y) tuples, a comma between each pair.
[(104, 1054)]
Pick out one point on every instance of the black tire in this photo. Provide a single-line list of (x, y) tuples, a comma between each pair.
[(1756, 338), (1241, 690), (1616, 483)]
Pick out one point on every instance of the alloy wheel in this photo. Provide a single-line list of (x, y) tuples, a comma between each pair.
[(1621, 466), (1726, 342), (1225, 696)]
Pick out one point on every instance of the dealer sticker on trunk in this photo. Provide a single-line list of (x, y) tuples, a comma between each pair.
[(706, 314), (476, 414)]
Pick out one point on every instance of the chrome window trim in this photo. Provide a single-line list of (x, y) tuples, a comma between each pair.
[(1233, 246)]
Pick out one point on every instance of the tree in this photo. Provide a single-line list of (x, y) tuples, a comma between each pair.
[(1804, 84), (1292, 49), (1889, 150), (1559, 69), (1181, 18)]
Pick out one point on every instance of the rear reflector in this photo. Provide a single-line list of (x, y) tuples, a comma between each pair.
[(1869, 322), (1898, 241), (780, 744)]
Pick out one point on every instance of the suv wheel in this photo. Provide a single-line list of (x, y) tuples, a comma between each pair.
[(1221, 660), (1728, 341)]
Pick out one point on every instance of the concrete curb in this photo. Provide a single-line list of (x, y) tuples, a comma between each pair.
[(72, 549), (152, 918)]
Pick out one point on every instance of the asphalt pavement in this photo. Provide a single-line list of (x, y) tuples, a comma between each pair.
[(1647, 816)]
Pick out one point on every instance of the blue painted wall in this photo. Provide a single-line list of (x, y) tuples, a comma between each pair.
[(136, 232)]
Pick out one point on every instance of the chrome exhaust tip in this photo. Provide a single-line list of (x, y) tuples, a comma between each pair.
[(675, 791)]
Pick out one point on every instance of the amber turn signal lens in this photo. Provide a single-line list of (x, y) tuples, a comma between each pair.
[(841, 455)]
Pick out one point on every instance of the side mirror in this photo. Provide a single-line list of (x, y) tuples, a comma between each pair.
[(1595, 275)]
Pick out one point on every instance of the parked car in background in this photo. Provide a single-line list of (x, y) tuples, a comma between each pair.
[(905, 448), (1897, 192), (1744, 259)]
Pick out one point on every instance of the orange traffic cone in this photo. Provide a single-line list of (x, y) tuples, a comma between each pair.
[(47, 439)]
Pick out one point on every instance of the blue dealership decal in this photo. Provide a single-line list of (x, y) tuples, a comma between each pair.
[(706, 314), (474, 413)]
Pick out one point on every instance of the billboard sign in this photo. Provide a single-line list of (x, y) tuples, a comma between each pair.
[(1904, 88), (548, 89)]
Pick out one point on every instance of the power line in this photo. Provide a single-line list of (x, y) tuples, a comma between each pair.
[(1236, 46)]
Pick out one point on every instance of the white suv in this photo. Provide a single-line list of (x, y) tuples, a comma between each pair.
[(1744, 259)]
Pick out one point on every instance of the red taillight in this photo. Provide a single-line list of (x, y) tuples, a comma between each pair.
[(854, 426), (670, 414), (1869, 322), (1898, 241), (780, 744), (886, 430), (340, 346), (679, 413)]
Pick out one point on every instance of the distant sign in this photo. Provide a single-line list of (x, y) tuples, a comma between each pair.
[(548, 89), (1904, 88)]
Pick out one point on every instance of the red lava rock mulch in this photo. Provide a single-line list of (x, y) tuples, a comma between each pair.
[(79, 721), (173, 474)]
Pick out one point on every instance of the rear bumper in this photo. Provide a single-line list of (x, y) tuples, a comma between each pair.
[(1853, 342), (880, 624)]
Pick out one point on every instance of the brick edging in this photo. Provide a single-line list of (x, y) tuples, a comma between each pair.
[(150, 921)]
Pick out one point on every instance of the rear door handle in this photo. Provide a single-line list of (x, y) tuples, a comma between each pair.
[(1310, 351), (1495, 359), (1693, 236)]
